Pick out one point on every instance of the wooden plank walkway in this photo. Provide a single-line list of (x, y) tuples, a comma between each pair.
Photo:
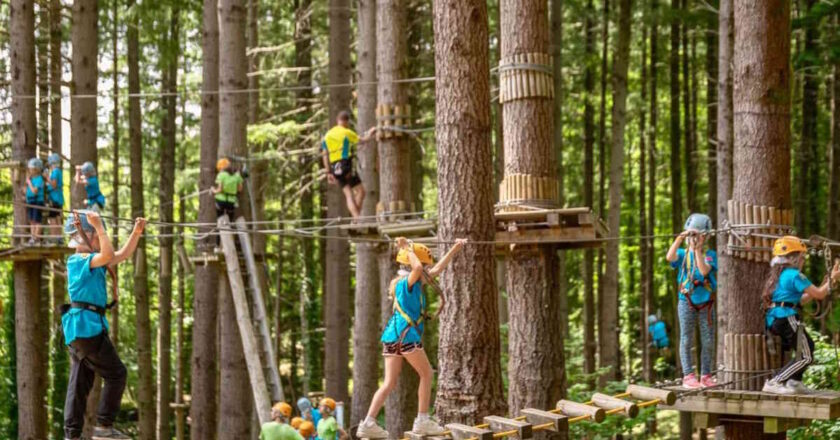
[(819, 405)]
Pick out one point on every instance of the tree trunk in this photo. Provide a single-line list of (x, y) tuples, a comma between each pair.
[(711, 116), (557, 53), (602, 155), (646, 273), (688, 143), (337, 271), (30, 351), (650, 306), (83, 119), (366, 323), (807, 206), (115, 163), (674, 66), (834, 176), (761, 161), (236, 401), (169, 68), (470, 381), (590, 343), (145, 386)]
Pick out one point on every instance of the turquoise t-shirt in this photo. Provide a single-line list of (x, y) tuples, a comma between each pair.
[(56, 193), (327, 428), (278, 431), (94, 196), (792, 284), (413, 302), (702, 286), (316, 416), (658, 334), (84, 284), (35, 197)]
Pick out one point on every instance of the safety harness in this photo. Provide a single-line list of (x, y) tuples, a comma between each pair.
[(424, 315), (688, 286), (113, 273)]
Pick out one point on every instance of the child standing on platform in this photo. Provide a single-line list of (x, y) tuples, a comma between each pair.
[(784, 293), (697, 283), (35, 198), (86, 175), (55, 195), (402, 338)]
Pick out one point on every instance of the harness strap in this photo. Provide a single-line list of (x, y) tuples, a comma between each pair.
[(789, 305), (706, 305)]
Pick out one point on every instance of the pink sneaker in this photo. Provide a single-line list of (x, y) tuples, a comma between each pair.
[(707, 380), (690, 381)]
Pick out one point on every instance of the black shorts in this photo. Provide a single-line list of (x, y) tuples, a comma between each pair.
[(344, 173), (54, 211), (228, 208), (398, 349), (35, 214)]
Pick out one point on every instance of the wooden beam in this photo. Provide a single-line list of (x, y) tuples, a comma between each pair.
[(818, 407), (560, 423), (582, 236), (612, 403), (576, 409), (704, 420), (775, 425), (498, 424), (540, 214), (465, 432), (667, 397)]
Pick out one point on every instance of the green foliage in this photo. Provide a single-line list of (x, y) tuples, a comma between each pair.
[(824, 374)]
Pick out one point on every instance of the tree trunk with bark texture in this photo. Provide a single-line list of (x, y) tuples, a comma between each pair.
[(535, 367), (590, 343), (807, 209), (557, 53), (646, 273), (337, 271), (367, 310), (711, 117), (650, 306), (83, 120), (115, 162), (470, 381), (236, 400), (761, 159), (834, 176), (674, 78), (145, 386), (688, 138)]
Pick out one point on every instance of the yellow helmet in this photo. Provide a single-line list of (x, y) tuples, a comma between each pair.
[(296, 422), (222, 164), (422, 251), (788, 244), (328, 402), (283, 408), (306, 429)]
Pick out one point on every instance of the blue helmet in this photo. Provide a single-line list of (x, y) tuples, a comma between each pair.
[(35, 163), (652, 319), (70, 224), (304, 405), (698, 222), (88, 169), (54, 159)]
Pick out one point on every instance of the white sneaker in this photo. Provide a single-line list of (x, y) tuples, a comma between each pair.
[(428, 426), (371, 431), (771, 386), (797, 387)]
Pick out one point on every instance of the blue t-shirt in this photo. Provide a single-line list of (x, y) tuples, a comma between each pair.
[(700, 287), (316, 417), (56, 193), (84, 284), (792, 284), (659, 334), (413, 303), (35, 197), (94, 196)]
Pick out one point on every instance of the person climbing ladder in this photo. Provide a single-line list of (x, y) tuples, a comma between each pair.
[(697, 284), (338, 160), (86, 328), (402, 338), (784, 293), (86, 175), (227, 189)]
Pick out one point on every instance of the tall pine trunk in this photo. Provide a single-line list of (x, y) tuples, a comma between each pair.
[(557, 53), (711, 114), (653, 153), (83, 120), (674, 78), (688, 139), (367, 308), (646, 273), (115, 160), (834, 176), (470, 381), (590, 343)]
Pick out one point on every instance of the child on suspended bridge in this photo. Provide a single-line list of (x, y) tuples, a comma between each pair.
[(55, 195), (86, 175), (35, 190), (697, 281), (86, 328), (338, 160), (658, 333), (784, 293), (227, 189), (278, 428), (402, 338), (328, 428)]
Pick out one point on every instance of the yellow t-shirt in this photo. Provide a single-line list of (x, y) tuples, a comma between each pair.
[(338, 142)]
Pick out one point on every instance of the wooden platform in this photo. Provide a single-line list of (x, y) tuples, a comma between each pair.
[(820, 405), (35, 253), (568, 228), (393, 229)]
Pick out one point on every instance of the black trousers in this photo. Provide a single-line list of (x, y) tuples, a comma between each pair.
[(786, 329), (88, 357)]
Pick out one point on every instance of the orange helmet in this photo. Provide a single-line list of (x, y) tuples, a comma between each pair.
[(283, 408), (307, 429), (788, 244), (222, 164), (328, 402), (296, 421), (424, 254)]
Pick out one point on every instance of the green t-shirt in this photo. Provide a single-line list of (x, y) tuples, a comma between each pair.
[(230, 186), (278, 431), (327, 428)]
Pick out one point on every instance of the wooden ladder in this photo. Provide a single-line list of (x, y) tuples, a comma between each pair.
[(251, 317)]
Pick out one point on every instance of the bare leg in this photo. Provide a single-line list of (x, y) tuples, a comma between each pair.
[(359, 196), (351, 202), (393, 366), (420, 362)]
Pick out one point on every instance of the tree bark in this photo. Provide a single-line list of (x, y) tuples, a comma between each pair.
[(674, 66), (711, 115), (337, 271), (115, 161), (807, 208), (470, 381), (590, 343), (30, 350), (650, 306), (602, 154), (557, 53), (646, 273), (688, 142), (761, 160), (367, 311), (83, 119), (235, 399), (834, 176)]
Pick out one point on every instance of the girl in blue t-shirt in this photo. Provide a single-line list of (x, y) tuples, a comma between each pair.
[(35, 198), (402, 338), (55, 194), (784, 293), (86, 175)]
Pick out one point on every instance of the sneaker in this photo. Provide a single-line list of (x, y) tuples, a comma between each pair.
[(797, 387), (428, 426), (102, 433), (690, 381), (707, 380), (774, 387), (32, 242), (371, 431)]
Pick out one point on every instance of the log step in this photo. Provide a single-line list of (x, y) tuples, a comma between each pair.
[(576, 409), (497, 424), (464, 432), (611, 403), (560, 423)]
